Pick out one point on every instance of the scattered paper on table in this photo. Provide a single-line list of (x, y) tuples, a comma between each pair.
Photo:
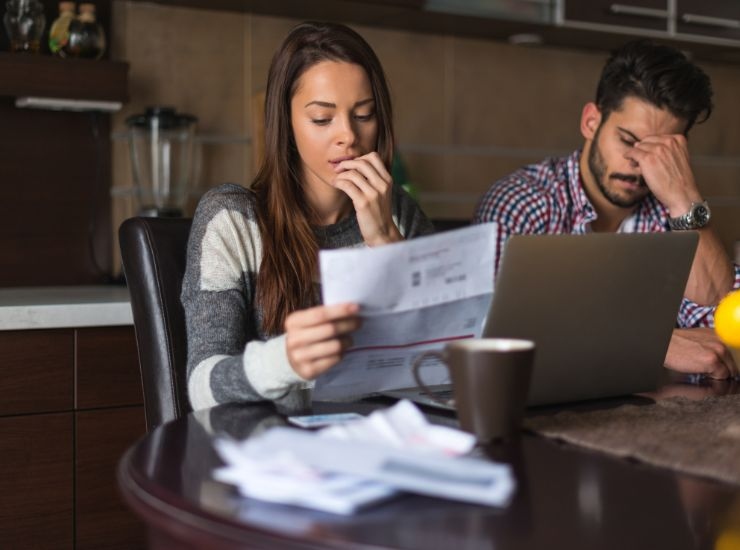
[(344, 468)]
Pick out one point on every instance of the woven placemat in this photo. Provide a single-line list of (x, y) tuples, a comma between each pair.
[(696, 437)]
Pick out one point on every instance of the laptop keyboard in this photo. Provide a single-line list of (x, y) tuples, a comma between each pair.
[(442, 394)]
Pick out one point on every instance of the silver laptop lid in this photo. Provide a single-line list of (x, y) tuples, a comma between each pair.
[(601, 308)]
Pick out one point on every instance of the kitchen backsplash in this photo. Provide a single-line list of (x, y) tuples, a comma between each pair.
[(467, 111)]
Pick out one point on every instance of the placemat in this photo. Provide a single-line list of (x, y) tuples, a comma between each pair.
[(696, 437)]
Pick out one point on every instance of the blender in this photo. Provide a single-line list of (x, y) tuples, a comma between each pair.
[(161, 144)]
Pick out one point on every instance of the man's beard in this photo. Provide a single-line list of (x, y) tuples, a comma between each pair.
[(598, 170)]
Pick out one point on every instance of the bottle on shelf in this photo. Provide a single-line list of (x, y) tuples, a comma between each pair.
[(59, 31), (86, 36), (24, 22)]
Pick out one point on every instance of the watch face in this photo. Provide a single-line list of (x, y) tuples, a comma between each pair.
[(701, 215)]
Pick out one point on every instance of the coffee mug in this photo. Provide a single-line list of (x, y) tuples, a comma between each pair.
[(490, 383)]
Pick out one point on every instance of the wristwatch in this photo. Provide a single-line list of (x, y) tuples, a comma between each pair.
[(697, 217)]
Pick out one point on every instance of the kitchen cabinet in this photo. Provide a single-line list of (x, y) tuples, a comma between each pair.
[(72, 403), (37, 371), (638, 14), (693, 21), (102, 519), (537, 11), (717, 19), (36, 461), (707, 29)]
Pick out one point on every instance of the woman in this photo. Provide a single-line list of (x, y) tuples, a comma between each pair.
[(250, 288)]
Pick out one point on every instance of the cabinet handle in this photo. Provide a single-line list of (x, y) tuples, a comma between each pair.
[(639, 11), (710, 21)]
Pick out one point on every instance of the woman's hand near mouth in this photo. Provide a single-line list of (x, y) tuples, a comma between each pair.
[(368, 184)]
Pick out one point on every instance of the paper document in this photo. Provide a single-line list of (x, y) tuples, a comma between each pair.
[(415, 296), (345, 468)]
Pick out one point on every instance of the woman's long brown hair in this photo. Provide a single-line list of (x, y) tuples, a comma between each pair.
[(289, 247)]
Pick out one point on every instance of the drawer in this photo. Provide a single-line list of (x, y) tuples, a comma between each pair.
[(102, 520), (36, 483), (107, 372), (37, 369)]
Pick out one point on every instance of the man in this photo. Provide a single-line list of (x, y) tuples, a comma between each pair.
[(633, 175)]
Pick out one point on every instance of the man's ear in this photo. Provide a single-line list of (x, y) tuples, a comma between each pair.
[(590, 120)]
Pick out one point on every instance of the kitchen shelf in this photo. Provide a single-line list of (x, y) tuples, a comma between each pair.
[(46, 76)]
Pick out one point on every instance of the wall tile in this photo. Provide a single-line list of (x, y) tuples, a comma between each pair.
[(451, 185), (519, 97), (718, 180), (426, 172), (267, 33), (720, 135), (475, 174), (196, 61), (726, 222), (190, 58), (453, 207), (415, 68), (467, 111), (223, 162)]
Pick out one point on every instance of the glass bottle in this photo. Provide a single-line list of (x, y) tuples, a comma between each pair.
[(86, 36), (59, 31), (24, 22)]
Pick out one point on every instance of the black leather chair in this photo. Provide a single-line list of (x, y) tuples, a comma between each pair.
[(153, 251)]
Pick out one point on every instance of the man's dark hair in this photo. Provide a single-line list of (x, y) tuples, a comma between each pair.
[(660, 75)]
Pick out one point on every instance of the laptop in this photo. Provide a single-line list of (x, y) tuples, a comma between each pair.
[(600, 307)]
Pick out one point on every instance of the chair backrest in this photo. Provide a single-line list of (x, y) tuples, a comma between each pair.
[(153, 251)]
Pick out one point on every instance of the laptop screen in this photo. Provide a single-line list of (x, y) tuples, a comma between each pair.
[(600, 307)]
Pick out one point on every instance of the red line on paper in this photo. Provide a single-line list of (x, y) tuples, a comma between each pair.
[(412, 344)]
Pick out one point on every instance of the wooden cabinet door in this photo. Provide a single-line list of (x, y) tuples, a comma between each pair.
[(107, 366), (37, 371), (36, 484), (638, 14), (102, 520), (716, 19)]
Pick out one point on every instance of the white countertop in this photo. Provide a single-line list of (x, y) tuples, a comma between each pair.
[(64, 307)]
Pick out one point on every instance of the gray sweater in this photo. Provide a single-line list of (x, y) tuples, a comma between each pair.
[(230, 358)]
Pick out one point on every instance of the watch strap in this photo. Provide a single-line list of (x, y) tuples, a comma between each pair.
[(689, 220)]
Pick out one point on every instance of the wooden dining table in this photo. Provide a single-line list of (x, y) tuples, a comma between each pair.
[(566, 497)]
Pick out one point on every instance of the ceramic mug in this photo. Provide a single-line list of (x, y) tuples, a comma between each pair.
[(490, 383)]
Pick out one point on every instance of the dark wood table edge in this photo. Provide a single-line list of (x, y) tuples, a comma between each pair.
[(198, 526)]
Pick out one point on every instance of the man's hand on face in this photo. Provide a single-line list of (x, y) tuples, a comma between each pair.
[(698, 350), (664, 164)]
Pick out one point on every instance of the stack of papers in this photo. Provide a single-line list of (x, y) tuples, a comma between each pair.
[(344, 468)]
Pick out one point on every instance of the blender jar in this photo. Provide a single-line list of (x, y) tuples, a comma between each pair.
[(161, 143)]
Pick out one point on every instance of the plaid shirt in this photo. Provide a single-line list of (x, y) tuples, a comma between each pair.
[(548, 198)]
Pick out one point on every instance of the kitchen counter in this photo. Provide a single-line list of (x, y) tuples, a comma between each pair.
[(64, 307)]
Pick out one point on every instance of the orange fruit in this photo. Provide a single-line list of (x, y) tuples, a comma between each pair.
[(727, 320)]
